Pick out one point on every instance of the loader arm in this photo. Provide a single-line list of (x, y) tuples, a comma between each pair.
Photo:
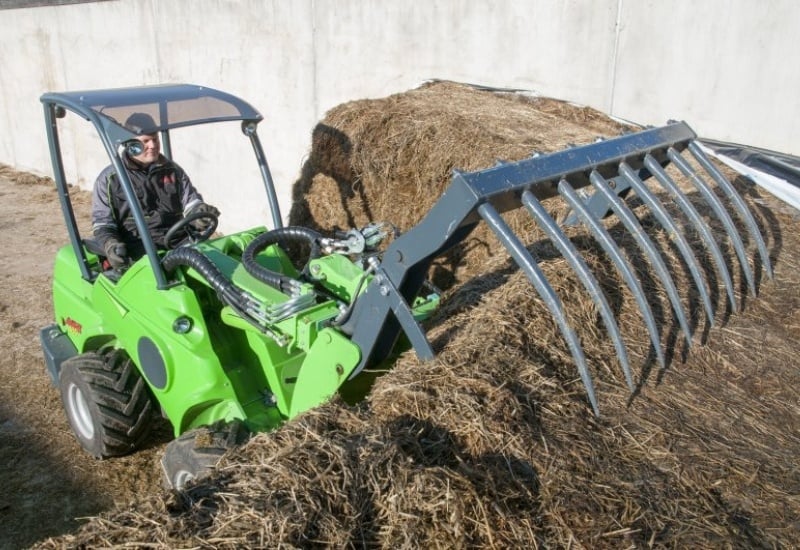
[(611, 167)]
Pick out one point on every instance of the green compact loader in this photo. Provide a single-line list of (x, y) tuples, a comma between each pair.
[(230, 335)]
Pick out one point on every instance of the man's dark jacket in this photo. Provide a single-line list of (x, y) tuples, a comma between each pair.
[(165, 194)]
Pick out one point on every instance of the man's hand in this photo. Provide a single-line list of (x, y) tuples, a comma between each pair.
[(201, 224), (117, 254)]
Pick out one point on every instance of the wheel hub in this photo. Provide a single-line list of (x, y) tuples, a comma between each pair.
[(79, 411)]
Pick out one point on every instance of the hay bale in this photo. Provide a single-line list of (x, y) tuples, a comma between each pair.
[(492, 443), (390, 159)]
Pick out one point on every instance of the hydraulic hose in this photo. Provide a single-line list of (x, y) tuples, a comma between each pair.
[(250, 309), (230, 293), (281, 235)]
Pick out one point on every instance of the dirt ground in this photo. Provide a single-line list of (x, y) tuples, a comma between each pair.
[(48, 481)]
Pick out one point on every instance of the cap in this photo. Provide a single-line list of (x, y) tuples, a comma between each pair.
[(141, 123)]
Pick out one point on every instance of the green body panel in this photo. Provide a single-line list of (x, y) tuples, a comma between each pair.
[(339, 275), (72, 302), (328, 365), (223, 367)]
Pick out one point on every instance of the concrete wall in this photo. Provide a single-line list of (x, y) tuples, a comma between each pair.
[(725, 66)]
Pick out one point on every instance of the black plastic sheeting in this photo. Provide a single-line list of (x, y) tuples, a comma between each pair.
[(782, 170), (16, 4)]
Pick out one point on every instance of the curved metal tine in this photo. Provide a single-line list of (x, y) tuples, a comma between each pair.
[(719, 210), (529, 266), (726, 186), (702, 227), (602, 236), (675, 234), (586, 276), (644, 242)]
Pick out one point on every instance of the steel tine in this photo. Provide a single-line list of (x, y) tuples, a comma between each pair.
[(702, 227), (644, 242), (719, 210), (602, 236), (674, 232), (531, 269), (574, 258), (727, 187)]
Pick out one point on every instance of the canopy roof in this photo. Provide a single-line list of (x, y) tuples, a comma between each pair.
[(162, 107)]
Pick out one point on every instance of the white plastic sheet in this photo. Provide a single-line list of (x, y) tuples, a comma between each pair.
[(777, 173)]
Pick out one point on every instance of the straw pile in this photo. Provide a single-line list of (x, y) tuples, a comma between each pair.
[(492, 443), (391, 159)]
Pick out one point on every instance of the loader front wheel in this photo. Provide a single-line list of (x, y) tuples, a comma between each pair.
[(198, 451), (106, 401)]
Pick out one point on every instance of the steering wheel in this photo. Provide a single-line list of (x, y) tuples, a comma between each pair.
[(174, 238)]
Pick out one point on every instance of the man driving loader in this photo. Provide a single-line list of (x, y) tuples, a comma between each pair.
[(164, 191)]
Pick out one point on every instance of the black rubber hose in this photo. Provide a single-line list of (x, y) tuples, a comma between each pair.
[(278, 236), (198, 261)]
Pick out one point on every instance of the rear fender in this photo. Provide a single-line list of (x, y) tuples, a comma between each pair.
[(57, 348)]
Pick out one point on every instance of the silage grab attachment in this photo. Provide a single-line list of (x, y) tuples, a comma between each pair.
[(610, 169)]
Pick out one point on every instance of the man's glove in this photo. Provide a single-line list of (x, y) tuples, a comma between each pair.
[(201, 224), (116, 253)]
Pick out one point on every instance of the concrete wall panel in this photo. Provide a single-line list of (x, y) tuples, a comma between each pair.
[(725, 66), (539, 45), (263, 52), (729, 68)]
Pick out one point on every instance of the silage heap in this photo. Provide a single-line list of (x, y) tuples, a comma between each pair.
[(493, 443)]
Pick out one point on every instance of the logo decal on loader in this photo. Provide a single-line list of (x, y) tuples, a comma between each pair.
[(72, 325)]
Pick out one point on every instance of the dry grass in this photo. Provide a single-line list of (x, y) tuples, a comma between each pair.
[(391, 159), (492, 444)]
